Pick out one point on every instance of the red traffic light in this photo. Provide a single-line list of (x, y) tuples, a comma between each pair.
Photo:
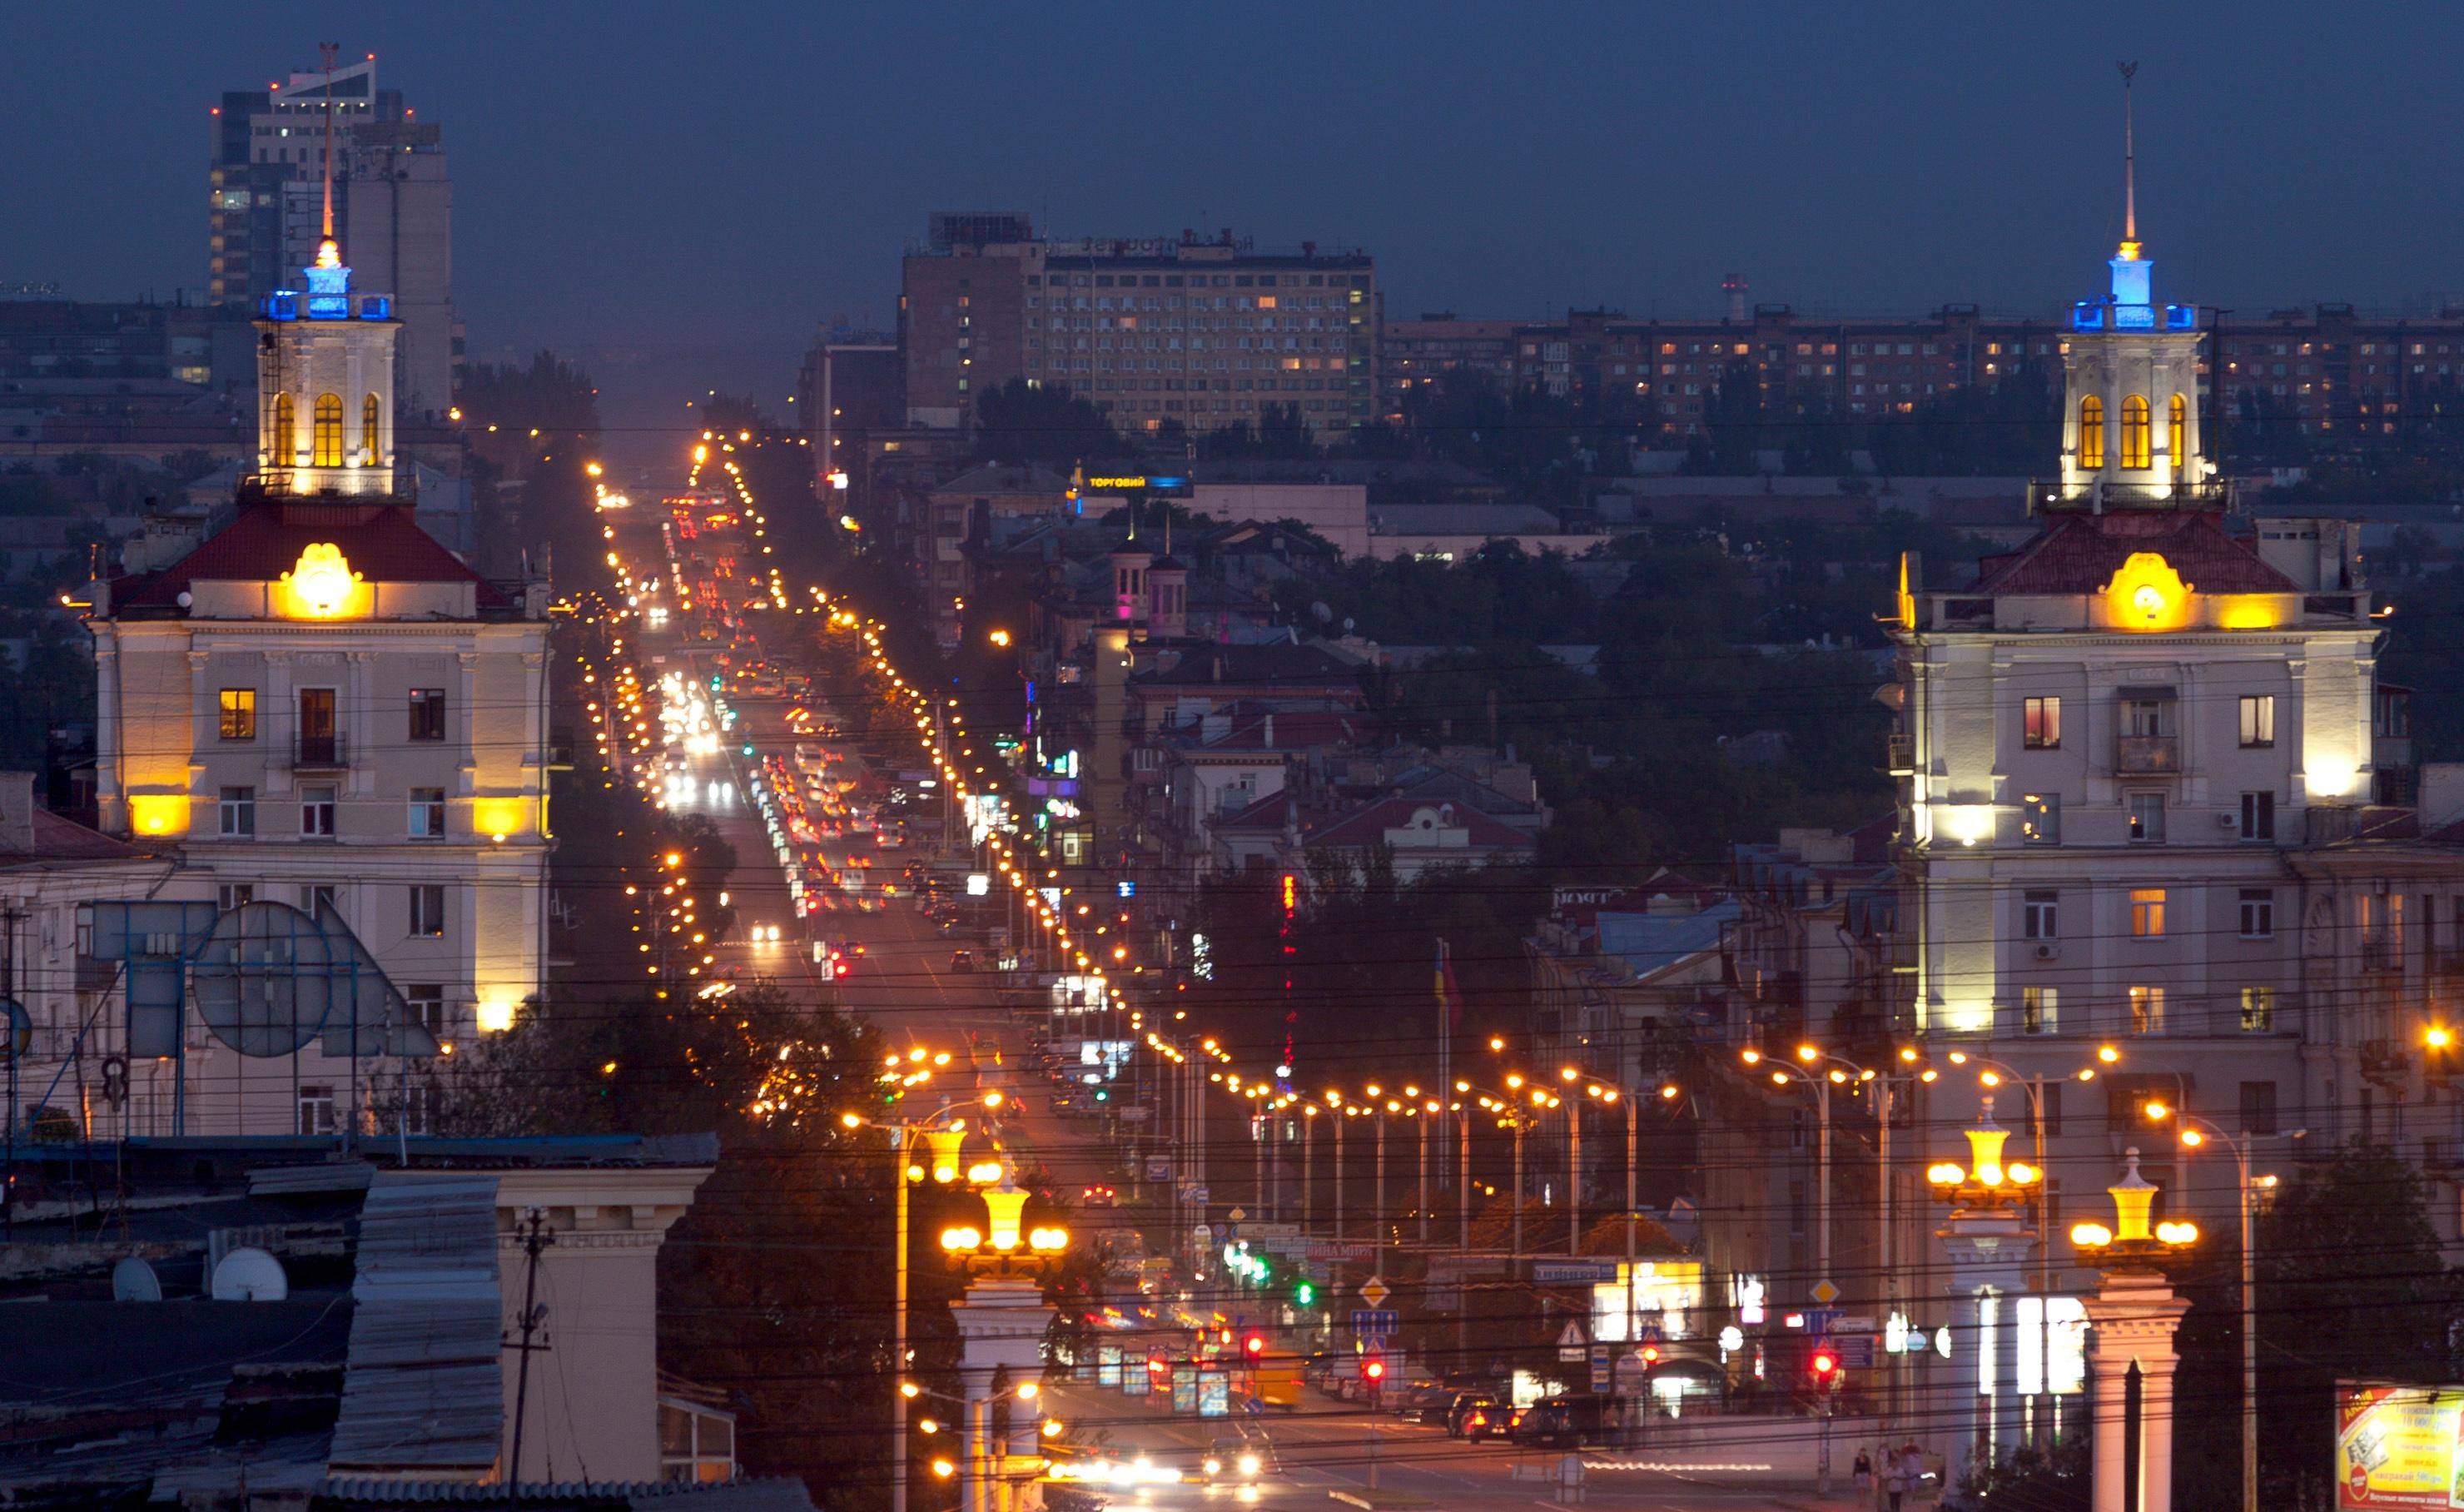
[(1825, 1363), (1651, 1354), (1373, 1368), (1254, 1344)]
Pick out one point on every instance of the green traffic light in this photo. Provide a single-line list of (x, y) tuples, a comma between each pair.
[(1304, 1294)]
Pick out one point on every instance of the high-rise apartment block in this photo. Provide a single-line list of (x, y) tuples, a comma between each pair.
[(2320, 369), (393, 207), (1203, 333)]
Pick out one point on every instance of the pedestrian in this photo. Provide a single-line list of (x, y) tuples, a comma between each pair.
[(1912, 1468), (1893, 1483), (1864, 1469)]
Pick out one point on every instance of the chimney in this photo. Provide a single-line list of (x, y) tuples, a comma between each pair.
[(17, 810)]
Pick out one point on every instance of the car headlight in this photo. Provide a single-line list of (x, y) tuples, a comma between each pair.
[(1248, 1464), (1214, 1467)]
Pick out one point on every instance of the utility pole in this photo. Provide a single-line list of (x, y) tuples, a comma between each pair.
[(536, 1236)]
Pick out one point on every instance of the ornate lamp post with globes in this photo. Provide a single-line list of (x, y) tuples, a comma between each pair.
[(2135, 1314)]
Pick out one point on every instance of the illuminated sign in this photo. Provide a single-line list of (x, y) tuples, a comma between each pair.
[(2396, 1446), (1116, 483)]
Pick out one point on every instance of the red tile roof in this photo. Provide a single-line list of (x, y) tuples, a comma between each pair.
[(58, 839), (1361, 826), (2079, 553), (380, 541)]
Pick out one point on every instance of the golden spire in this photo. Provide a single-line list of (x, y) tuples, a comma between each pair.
[(328, 254), (2129, 252)]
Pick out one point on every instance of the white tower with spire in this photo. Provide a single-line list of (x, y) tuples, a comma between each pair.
[(324, 367), (2131, 427)]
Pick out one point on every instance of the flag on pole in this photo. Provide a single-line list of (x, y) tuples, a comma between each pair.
[(1450, 994)]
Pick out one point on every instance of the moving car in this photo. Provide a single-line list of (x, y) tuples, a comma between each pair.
[(1564, 1422), (1475, 1415), (962, 960)]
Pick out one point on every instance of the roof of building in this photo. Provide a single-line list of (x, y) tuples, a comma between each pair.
[(381, 539), (58, 839), (1652, 942), (1005, 478), (425, 1385), (1304, 663), (2078, 552), (1373, 821)]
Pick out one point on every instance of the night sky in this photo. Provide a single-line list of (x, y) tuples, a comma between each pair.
[(675, 194)]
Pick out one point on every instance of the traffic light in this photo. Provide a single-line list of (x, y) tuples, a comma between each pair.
[(1374, 1370), (1304, 1293), (1826, 1367), (1650, 1355), (1253, 1345)]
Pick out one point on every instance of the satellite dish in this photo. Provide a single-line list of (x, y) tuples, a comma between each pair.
[(133, 1280), (1320, 613), (265, 983), (250, 1274)]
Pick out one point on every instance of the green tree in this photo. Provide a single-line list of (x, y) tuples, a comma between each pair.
[(1046, 423)]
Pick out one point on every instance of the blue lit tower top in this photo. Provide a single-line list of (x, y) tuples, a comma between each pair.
[(2130, 431)]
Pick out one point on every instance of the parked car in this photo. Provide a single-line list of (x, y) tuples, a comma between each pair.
[(1422, 1402)]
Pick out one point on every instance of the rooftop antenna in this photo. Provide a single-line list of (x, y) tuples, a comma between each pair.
[(329, 51), (2129, 168)]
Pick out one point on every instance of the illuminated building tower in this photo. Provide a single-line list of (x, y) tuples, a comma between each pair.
[(2110, 745), (318, 704)]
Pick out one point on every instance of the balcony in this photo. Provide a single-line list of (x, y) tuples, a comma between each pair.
[(2148, 755), (2383, 1059), (2382, 955), (1903, 756), (319, 754)]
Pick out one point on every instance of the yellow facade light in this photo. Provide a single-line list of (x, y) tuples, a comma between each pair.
[(158, 814), (495, 1015), (2147, 594), (321, 586)]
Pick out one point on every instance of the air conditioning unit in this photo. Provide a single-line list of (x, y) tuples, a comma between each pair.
[(2049, 950), (2229, 820)]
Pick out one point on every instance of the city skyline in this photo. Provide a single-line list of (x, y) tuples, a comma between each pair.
[(1913, 213)]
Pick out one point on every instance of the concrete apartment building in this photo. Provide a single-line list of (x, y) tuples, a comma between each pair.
[(1205, 333), (316, 704), (2324, 368), (393, 207)]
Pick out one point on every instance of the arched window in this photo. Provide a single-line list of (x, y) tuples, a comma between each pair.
[(2177, 432), (2091, 437), (326, 443), (286, 435), (2137, 435), (369, 413)]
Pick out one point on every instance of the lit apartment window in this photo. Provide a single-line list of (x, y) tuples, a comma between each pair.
[(428, 910), (2258, 913), (2039, 1009), (2147, 913), (2258, 720), (2257, 1010), (237, 814), (2040, 818), (2147, 1010), (239, 714), (2043, 720)]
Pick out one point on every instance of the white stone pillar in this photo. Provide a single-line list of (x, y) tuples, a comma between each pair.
[(2135, 1314), (1988, 1251), (1001, 1322)]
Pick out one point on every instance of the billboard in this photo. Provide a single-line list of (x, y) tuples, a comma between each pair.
[(2395, 1447)]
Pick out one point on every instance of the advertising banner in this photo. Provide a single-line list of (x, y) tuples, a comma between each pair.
[(2395, 1447)]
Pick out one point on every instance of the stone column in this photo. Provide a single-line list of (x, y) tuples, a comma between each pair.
[(1001, 1322), (2134, 1314), (1988, 1251)]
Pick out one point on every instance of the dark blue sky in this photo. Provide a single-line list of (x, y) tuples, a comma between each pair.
[(675, 194)]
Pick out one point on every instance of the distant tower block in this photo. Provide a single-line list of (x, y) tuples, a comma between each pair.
[(1735, 286)]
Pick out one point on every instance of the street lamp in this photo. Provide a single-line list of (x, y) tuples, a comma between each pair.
[(2135, 1314), (2194, 1132), (942, 1133)]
